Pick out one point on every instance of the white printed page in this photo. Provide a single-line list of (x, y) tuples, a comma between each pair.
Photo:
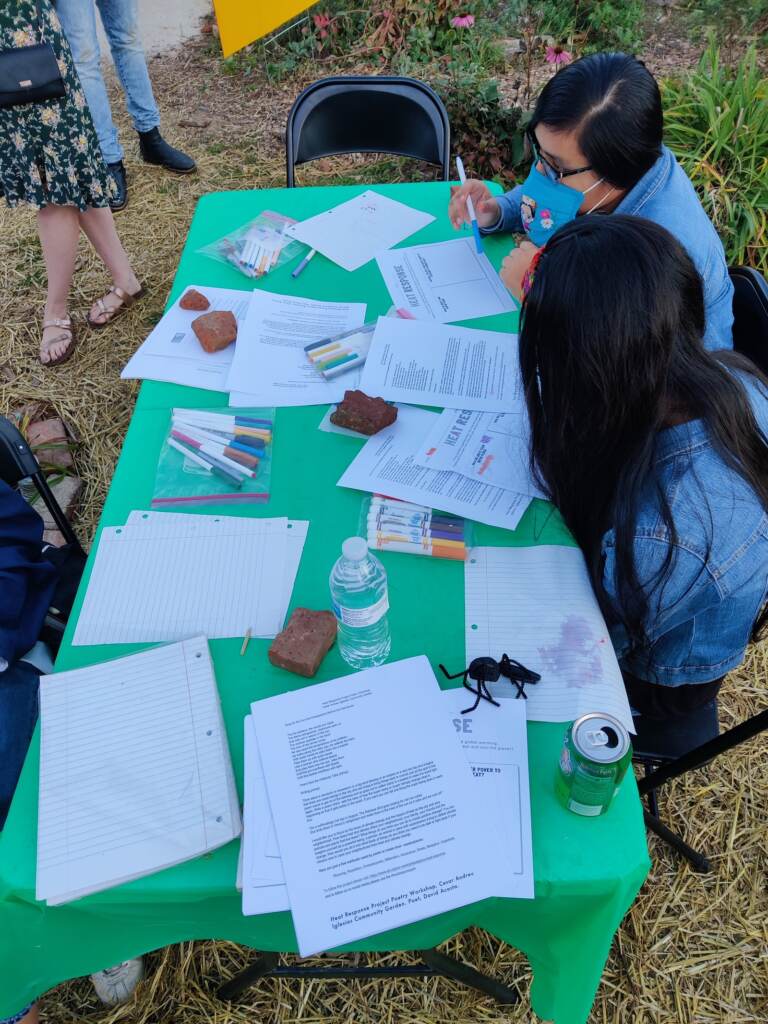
[(270, 366), (387, 464), (375, 809), (172, 352), (352, 233), (436, 364), (492, 447), (135, 773), (495, 743), (444, 281), (167, 585), (263, 881), (536, 605)]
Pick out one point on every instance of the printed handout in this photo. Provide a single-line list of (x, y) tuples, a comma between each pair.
[(438, 364), (387, 464), (487, 446), (536, 604), (377, 818), (172, 352), (444, 281), (495, 743), (352, 233), (270, 366)]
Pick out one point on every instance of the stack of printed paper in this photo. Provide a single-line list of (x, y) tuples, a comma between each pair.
[(167, 575), (358, 834)]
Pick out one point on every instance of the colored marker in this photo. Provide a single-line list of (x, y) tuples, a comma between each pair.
[(214, 465), (303, 263), (470, 206), (213, 452)]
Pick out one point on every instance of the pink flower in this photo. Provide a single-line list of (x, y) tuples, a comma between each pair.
[(322, 21), (557, 55), (463, 21)]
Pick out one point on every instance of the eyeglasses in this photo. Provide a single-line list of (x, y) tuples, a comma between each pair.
[(556, 171)]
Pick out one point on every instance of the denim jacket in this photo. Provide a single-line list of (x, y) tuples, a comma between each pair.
[(700, 623), (665, 195)]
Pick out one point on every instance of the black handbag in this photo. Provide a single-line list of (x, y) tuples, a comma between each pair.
[(30, 74)]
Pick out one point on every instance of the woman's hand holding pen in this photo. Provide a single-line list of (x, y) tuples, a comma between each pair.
[(486, 207)]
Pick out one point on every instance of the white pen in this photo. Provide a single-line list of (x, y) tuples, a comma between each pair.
[(470, 205)]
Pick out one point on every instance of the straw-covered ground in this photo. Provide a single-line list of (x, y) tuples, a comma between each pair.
[(693, 949)]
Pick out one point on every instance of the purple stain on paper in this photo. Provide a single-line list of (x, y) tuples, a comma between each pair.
[(575, 656)]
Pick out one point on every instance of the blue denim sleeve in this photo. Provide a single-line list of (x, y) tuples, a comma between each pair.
[(689, 589), (718, 331), (509, 204)]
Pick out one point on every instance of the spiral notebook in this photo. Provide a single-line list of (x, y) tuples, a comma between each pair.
[(135, 771)]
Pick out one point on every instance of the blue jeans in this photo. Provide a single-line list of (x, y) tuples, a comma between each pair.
[(19, 685), (120, 19)]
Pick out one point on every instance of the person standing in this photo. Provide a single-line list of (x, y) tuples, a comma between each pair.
[(120, 19), (50, 159)]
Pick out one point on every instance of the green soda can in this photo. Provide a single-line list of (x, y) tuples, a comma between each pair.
[(594, 759)]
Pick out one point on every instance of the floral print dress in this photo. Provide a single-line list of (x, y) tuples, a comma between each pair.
[(49, 151)]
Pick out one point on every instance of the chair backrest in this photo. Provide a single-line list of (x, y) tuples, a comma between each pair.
[(750, 314), (367, 114), (16, 458)]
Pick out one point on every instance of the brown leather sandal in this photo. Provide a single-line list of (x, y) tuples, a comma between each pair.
[(67, 334), (112, 312)]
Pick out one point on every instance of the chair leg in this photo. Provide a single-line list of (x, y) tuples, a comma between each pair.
[(697, 860), (650, 796), (54, 508), (466, 975), (265, 964), (706, 752), (434, 963)]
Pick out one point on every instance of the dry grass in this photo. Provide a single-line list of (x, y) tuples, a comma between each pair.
[(692, 949)]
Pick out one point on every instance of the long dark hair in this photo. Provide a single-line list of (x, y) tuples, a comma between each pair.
[(611, 351), (613, 103)]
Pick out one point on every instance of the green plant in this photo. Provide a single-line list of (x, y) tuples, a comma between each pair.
[(593, 24), (484, 131), (716, 122), (729, 21)]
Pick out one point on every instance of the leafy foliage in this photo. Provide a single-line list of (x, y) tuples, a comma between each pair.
[(716, 122), (484, 131), (592, 24)]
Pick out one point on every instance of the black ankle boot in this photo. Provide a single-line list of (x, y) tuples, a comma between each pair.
[(155, 150), (120, 195)]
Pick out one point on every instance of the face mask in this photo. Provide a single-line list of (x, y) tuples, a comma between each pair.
[(547, 205)]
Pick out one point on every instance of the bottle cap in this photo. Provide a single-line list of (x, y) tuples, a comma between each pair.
[(355, 549)]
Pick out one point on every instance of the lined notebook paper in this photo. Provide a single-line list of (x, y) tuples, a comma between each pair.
[(295, 539), (165, 576), (536, 604), (135, 772)]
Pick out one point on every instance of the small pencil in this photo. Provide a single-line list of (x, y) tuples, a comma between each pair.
[(246, 638)]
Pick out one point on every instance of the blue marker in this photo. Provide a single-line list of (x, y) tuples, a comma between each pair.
[(303, 263), (470, 206)]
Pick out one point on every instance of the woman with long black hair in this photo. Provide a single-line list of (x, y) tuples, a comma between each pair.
[(654, 450), (596, 141)]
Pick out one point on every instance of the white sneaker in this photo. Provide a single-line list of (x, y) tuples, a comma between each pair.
[(116, 984)]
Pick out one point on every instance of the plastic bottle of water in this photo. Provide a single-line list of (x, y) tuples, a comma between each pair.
[(359, 599)]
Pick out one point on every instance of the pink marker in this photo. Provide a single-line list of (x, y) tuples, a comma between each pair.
[(405, 314)]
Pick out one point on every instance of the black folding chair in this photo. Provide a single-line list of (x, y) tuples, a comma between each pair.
[(17, 463), (750, 314), (367, 114)]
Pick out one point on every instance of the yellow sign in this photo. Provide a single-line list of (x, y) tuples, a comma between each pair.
[(243, 21)]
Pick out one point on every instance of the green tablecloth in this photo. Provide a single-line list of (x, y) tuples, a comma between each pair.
[(587, 871)]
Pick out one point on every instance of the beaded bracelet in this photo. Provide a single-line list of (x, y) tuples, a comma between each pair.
[(530, 273)]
